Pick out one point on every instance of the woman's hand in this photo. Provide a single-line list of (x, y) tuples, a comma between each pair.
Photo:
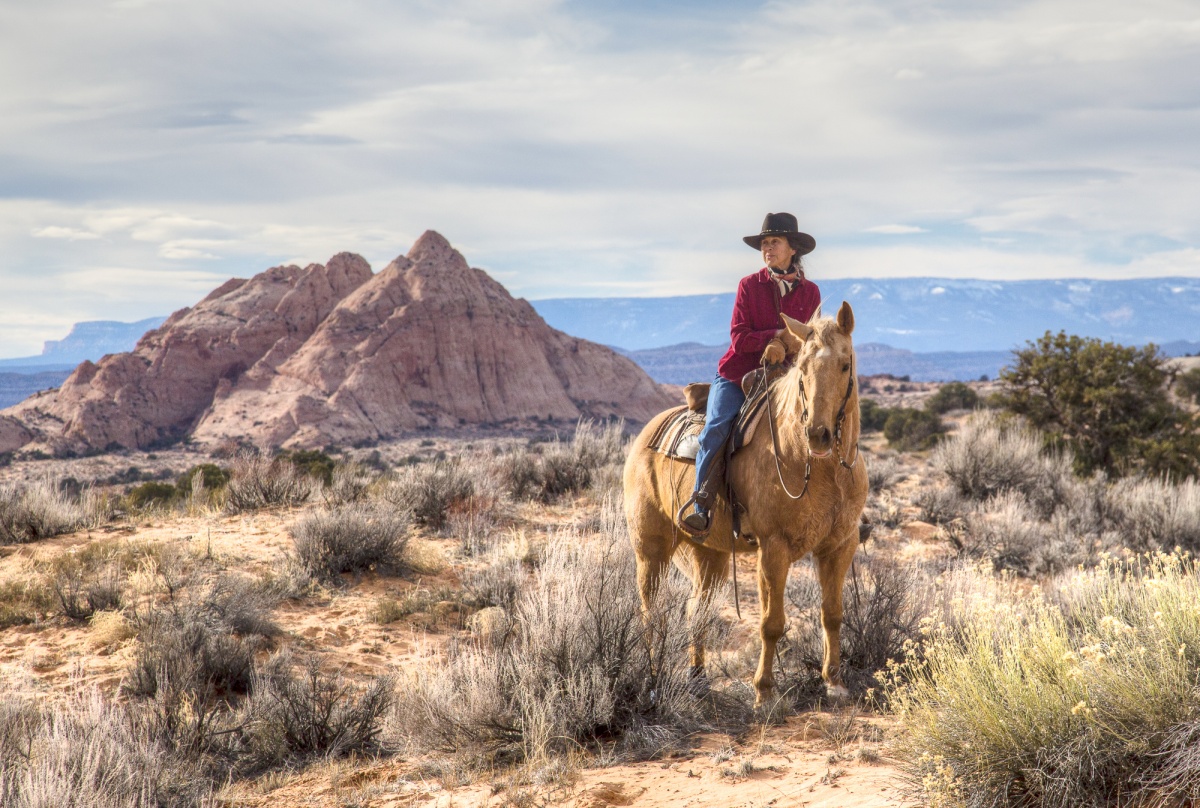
[(775, 352)]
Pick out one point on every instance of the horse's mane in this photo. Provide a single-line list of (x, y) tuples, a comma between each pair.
[(789, 383)]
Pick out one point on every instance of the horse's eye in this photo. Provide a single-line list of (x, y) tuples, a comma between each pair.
[(845, 367)]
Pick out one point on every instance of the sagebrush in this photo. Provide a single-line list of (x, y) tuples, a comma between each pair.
[(350, 538), (578, 672), (1084, 696)]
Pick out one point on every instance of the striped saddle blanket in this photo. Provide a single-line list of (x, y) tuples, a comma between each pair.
[(678, 436)]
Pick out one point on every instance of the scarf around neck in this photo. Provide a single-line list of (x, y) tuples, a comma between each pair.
[(785, 286)]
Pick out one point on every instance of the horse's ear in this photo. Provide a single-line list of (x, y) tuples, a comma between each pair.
[(796, 328), (845, 318)]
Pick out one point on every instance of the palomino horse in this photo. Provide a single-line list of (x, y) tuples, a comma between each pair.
[(804, 492)]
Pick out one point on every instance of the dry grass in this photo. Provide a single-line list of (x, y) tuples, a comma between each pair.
[(257, 481), (428, 491), (310, 714), (990, 456), (883, 605), (24, 601), (592, 461), (1081, 699), (577, 671), (43, 509), (883, 471), (1156, 515), (350, 538), (89, 752)]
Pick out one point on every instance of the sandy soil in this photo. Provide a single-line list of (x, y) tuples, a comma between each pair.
[(816, 758), (794, 764)]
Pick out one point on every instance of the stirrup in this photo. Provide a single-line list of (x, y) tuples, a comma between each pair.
[(695, 534)]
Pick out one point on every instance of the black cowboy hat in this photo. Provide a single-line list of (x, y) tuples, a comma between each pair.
[(783, 224)]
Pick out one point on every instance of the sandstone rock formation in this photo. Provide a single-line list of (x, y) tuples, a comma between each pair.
[(333, 354)]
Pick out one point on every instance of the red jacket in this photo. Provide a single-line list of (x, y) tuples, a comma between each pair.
[(756, 319)]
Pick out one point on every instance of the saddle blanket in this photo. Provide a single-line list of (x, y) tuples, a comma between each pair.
[(679, 435)]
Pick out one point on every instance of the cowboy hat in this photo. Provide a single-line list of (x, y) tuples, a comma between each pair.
[(783, 224)]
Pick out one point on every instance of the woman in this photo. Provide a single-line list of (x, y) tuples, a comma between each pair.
[(755, 334)]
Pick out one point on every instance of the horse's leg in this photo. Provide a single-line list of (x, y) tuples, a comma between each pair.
[(709, 568), (773, 563), (652, 554), (652, 551), (831, 573)]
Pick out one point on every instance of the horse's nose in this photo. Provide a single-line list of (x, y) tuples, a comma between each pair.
[(819, 438)]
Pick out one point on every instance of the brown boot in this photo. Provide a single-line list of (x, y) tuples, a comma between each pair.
[(696, 522)]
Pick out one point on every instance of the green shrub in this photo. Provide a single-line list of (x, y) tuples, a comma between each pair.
[(908, 429), (212, 476), (1108, 403), (151, 494), (1187, 384), (1080, 698), (871, 415), (952, 396), (313, 462)]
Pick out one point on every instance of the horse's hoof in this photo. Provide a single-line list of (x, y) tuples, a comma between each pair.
[(837, 693), (769, 708)]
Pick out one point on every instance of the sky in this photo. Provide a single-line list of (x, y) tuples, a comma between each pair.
[(151, 149)]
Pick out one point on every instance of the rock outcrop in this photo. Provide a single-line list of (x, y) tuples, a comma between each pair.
[(334, 354)]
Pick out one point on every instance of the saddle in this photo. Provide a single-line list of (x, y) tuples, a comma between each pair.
[(679, 435)]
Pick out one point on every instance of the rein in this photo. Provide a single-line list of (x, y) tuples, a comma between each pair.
[(841, 416), (837, 434)]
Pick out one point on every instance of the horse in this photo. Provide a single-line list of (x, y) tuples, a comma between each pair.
[(803, 484)]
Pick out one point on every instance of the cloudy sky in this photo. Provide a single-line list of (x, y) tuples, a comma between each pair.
[(150, 149)]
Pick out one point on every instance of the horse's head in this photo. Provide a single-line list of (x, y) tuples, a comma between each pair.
[(823, 378)]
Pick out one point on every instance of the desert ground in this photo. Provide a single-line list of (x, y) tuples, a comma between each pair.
[(406, 623), (824, 755)]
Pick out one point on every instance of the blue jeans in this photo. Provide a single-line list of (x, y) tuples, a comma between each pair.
[(724, 400)]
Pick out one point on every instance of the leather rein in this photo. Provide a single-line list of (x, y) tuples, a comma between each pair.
[(837, 433)]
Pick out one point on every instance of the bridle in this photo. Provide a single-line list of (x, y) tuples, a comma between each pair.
[(837, 432)]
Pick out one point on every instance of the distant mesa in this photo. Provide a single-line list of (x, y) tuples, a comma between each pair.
[(94, 339), (336, 354)]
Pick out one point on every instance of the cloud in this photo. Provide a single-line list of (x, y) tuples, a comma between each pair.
[(612, 148), (895, 229), (68, 233)]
